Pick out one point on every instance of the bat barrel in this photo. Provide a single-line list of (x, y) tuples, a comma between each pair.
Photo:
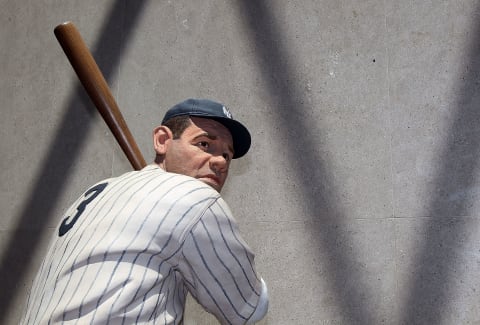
[(98, 90)]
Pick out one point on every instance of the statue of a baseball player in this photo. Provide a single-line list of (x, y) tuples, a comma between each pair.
[(130, 248)]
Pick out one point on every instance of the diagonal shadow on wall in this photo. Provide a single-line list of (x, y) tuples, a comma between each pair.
[(64, 149), (317, 186), (431, 286), (445, 234)]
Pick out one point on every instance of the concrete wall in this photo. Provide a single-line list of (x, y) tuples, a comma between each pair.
[(360, 194)]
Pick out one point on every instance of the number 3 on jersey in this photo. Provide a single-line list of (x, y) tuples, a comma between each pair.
[(90, 195)]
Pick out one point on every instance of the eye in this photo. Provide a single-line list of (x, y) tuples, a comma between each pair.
[(203, 144)]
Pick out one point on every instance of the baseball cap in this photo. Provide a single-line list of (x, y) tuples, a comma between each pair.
[(216, 111)]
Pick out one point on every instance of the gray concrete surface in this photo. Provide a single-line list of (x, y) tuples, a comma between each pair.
[(360, 195)]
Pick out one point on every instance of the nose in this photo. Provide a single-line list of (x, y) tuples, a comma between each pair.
[(218, 164)]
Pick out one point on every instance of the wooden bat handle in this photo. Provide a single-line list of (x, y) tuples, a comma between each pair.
[(97, 89)]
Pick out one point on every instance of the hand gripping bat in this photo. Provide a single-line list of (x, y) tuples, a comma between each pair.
[(97, 89)]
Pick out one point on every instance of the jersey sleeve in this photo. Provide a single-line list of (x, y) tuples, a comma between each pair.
[(219, 268)]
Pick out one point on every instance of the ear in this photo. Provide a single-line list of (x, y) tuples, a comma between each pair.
[(161, 137)]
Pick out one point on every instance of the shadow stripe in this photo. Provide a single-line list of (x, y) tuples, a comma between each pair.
[(66, 146), (431, 291), (320, 199)]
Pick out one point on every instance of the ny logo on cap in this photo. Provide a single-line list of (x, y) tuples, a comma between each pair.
[(227, 112)]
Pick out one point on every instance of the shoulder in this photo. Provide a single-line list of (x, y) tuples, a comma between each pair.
[(180, 192), (155, 178), (162, 193)]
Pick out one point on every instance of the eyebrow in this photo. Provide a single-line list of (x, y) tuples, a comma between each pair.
[(206, 134)]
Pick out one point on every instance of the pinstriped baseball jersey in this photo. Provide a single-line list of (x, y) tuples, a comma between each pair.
[(130, 248)]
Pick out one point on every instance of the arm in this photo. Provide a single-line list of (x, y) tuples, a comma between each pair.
[(220, 271), (262, 306)]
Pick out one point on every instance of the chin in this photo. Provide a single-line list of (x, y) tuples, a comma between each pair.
[(213, 185)]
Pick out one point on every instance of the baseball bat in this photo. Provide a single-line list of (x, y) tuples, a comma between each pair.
[(98, 90)]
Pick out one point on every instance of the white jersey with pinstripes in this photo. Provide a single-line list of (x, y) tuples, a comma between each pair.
[(130, 248)]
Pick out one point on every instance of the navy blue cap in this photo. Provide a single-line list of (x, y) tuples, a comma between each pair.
[(212, 110)]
